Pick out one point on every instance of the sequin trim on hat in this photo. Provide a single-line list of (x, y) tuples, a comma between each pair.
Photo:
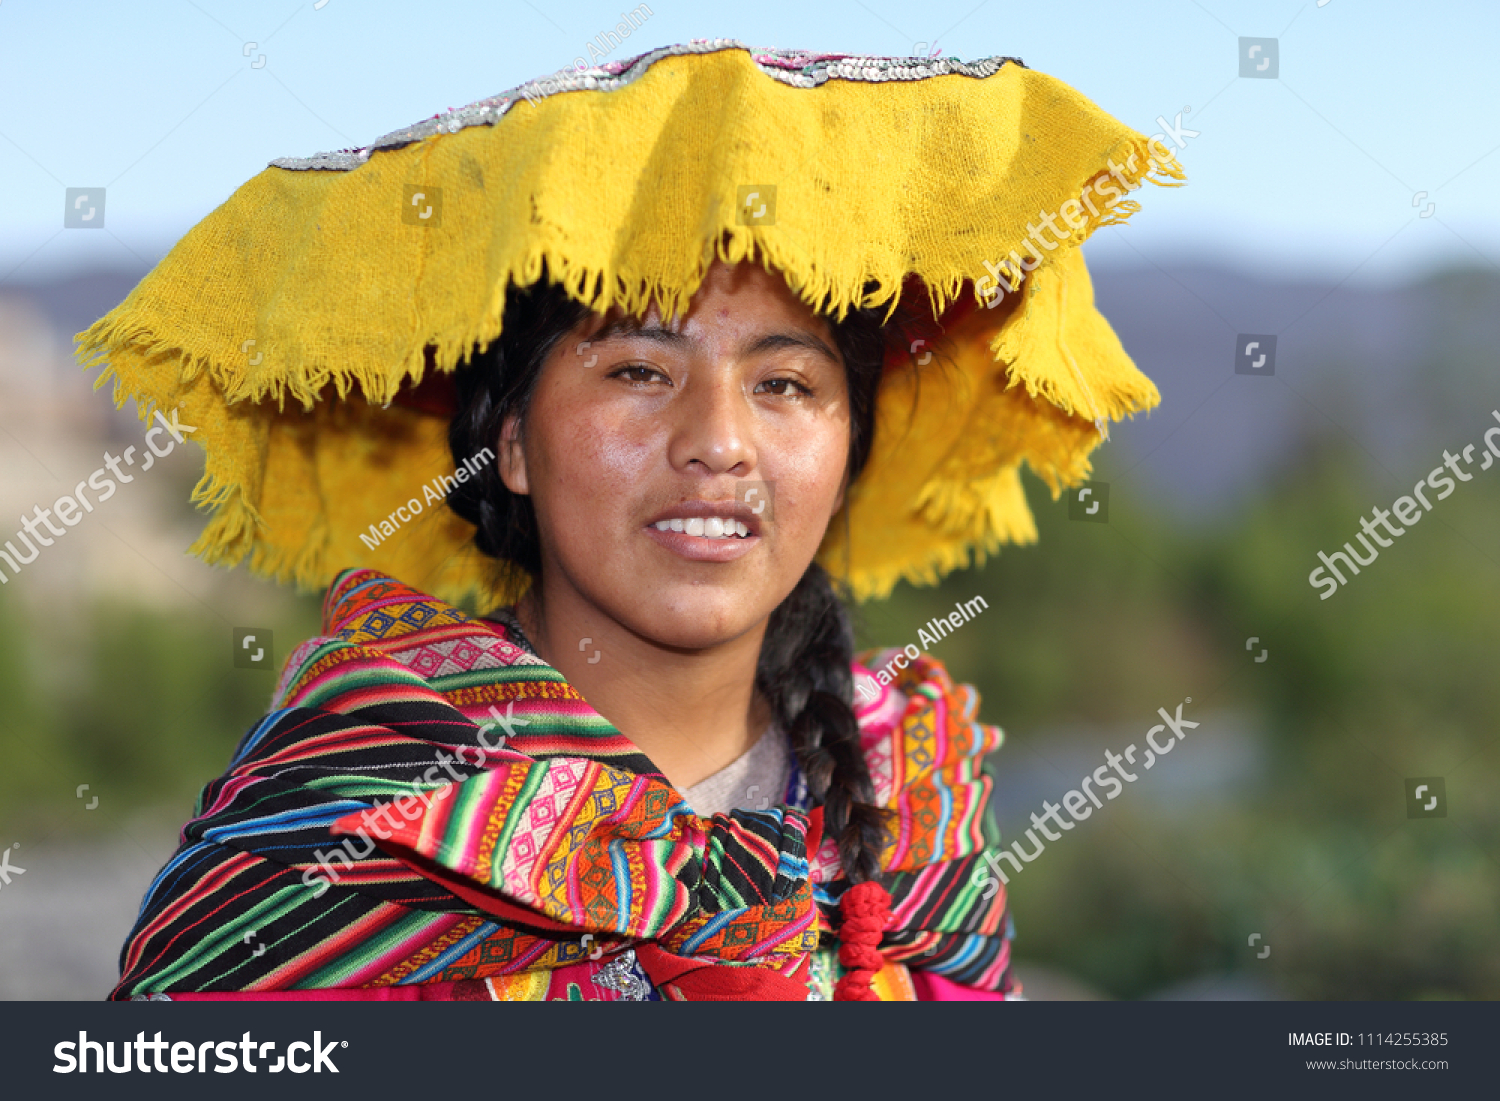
[(798, 68)]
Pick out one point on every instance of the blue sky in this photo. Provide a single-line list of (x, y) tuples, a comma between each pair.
[(1316, 173)]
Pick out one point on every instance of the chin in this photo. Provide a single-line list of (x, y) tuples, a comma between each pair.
[(694, 617)]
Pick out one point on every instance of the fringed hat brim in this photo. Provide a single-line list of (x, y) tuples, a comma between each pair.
[(322, 282)]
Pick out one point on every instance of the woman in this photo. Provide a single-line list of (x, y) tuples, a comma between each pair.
[(648, 777)]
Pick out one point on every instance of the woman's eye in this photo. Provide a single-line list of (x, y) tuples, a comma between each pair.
[(790, 387), (636, 372)]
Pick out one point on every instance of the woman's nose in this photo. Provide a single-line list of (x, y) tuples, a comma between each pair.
[(715, 425)]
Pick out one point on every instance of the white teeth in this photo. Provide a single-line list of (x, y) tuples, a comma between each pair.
[(711, 527)]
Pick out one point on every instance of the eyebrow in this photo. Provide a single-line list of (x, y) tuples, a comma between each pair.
[(628, 326)]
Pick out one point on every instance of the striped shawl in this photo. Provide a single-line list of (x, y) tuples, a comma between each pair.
[(429, 808)]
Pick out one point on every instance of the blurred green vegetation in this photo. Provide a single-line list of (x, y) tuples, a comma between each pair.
[(141, 703), (1101, 624), (1391, 677)]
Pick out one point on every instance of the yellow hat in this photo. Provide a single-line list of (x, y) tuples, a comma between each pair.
[(338, 280)]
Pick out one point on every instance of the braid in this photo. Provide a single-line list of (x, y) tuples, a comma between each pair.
[(804, 674)]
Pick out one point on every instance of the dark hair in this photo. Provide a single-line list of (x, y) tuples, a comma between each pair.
[(803, 669)]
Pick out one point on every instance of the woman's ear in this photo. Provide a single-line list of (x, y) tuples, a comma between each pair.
[(512, 457)]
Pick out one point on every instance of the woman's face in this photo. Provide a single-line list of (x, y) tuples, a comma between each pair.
[(738, 411)]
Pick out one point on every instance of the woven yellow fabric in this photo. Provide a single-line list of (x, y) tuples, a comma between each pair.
[(322, 287)]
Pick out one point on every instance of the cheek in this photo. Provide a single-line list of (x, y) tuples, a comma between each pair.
[(808, 470), (618, 447), (588, 460)]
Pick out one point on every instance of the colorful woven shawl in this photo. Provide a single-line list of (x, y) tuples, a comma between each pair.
[(429, 807)]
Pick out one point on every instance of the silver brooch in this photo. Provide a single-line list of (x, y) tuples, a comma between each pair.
[(622, 976)]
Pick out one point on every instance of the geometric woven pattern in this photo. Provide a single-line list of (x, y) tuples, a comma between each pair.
[(374, 831)]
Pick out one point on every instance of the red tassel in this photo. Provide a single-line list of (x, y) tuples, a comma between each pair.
[(866, 910)]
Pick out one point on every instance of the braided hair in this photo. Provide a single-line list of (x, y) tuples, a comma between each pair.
[(803, 670)]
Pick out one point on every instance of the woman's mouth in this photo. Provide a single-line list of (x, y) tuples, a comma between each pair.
[(704, 538), (709, 527)]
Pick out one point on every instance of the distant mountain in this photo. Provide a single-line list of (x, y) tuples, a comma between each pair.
[(75, 303), (1400, 373)]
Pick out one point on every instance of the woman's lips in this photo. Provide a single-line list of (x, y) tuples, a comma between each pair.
[(698, 548)]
